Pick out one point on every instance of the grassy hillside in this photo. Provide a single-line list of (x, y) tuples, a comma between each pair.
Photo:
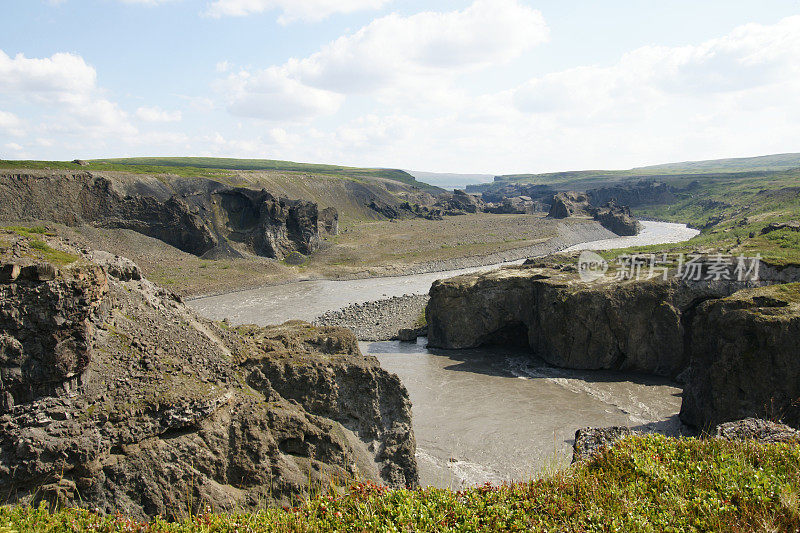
[(738, 164), (216, 163), (650, 483), (348, 190), (746, 167)]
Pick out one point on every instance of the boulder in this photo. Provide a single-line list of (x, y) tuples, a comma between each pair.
[(329, 221), (118, 267), (590, 442)]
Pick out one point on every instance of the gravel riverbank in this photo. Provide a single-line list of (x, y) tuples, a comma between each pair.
[(378, 320)]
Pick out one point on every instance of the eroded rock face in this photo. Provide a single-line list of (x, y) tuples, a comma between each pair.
[(118, 397), (745, 358), (45, 332), (617, 218), (206, 219), (567, 204), (636, 326), (611, 215)]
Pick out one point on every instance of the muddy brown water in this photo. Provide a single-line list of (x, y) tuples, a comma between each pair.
[(484, 414)]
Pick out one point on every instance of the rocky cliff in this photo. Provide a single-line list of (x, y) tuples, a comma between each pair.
[(737, 349), (636, 326), (196, 215), (611, 215), (745, 358), (117, 396)]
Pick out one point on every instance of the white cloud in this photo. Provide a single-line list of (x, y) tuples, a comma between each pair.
[(60, 73), (156, 114), (732, 96), (63, 88), (223, 66), (14, 146), (11, 124), (271, 95), (291, 10), (405, 50), (399, 59)]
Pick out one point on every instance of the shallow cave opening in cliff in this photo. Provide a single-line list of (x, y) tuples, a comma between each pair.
[(514, 335)]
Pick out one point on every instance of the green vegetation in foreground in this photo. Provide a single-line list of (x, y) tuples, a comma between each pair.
[(649, 483)]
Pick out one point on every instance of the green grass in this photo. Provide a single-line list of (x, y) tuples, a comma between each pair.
[(51, 254), (219, 169), (650, 483), (267, 164)]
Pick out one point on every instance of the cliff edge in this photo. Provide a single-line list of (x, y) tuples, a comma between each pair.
[(116, 396)]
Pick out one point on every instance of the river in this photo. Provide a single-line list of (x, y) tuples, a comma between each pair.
[(306, 300), (484, 414)]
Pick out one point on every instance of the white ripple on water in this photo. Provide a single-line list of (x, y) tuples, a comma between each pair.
[(636, 400)]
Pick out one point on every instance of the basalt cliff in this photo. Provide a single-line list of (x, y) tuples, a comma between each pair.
[(196, 215), (116, 396), (736, 348)]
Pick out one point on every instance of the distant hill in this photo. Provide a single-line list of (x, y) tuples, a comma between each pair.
[(744, 167), (738, 164), (269, 164), (449, 180)]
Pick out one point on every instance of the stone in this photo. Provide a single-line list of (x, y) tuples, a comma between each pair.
[(407, 335), (39, 272), (9, 272), (590, 442), (630, 326), (118, 267), (759, 430)]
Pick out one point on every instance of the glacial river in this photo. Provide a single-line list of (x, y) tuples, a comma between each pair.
[(484, 414)]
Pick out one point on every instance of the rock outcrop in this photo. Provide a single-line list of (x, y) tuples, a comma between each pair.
[(633, 194), (568, 204), (632, 325), (204, 217), (745, 358), (758, 430), (776, 226), (590, 442), (736, 348), (617, 218), (118, 397), (611, 215)]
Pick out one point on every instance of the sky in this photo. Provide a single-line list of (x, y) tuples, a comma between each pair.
[(470, 86)]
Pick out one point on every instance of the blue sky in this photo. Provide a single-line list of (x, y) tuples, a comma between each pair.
[(482, 86)]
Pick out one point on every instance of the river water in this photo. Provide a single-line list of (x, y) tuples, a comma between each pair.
[(483, 414), (306, 300)]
